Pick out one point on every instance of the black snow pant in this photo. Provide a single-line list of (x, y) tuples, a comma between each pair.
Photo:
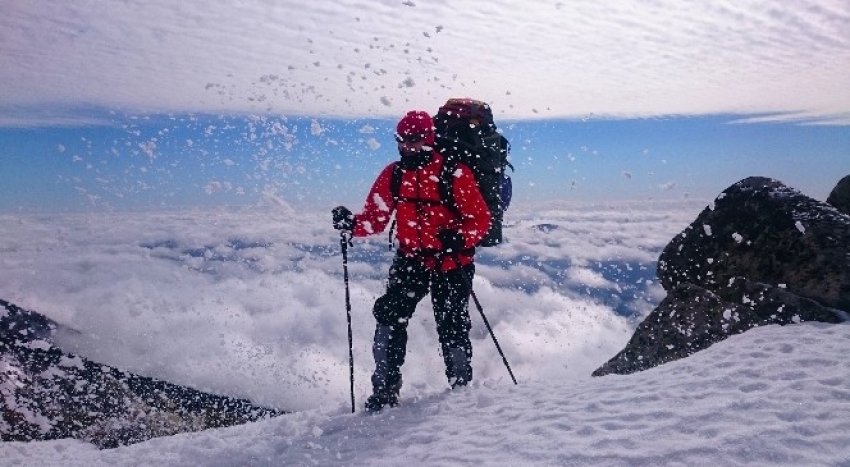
[(409, 281)]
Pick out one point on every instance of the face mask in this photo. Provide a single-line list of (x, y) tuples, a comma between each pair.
[(416, 160)]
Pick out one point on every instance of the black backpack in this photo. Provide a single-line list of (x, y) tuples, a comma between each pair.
[(466, 133)]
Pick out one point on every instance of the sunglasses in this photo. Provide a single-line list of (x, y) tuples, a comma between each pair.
[(409, 138)]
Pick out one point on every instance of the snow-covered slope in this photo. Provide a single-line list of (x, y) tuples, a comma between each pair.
[(772, 396)]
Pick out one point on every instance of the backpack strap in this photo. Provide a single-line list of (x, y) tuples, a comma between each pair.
[(506, 150), (395, 181), (446, 187), (395, 189), (446, 184)]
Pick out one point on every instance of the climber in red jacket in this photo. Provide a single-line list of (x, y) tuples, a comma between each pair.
[(436, 246)]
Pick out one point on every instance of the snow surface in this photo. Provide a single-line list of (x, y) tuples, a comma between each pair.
[(249, 303), (772, 396)]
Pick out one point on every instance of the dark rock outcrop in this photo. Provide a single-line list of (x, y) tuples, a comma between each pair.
[(765, 231), (840, 196), (763, 254), (48, 394)]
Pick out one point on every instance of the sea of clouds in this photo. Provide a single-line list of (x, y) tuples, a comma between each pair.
[(250, 302)]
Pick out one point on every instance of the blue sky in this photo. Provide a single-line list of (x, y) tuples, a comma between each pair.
[(146, 104), (202, 160)]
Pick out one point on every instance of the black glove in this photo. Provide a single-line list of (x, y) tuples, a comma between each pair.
[(452, 240), (343, 218)]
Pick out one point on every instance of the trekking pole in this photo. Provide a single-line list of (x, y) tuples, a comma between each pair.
[(487, 323), (483, 317), (345, 242)]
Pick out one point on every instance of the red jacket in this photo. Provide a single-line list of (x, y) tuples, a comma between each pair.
[(419, 214)]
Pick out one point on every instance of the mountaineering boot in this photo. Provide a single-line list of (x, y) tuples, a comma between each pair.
[(461, 369), (386, 381), (382, 397)]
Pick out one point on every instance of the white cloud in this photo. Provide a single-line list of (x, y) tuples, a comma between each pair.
[(271, 198), (250, 302), (213, 186), (579, 58)]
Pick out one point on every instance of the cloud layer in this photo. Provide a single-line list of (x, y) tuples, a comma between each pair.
[(355, 58), (250, 303)]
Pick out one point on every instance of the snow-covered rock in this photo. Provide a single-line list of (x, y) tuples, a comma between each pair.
[(48, 394), (764, 253)]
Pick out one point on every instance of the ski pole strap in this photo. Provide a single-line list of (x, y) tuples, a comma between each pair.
[(345, 240)]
